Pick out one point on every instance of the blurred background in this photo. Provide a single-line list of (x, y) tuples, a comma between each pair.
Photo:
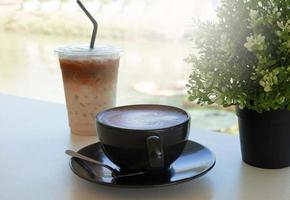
[(155, 36)]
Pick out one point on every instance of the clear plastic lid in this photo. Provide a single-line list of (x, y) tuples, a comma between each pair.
[(78, 51)]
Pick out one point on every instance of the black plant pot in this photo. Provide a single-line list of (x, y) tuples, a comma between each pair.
[(265, 138)]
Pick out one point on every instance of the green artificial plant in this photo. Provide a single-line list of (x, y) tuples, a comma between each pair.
[(244, 56)]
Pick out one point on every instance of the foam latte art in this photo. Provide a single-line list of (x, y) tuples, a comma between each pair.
[(143, 117)]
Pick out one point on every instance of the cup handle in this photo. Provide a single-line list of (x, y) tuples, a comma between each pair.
[(155, 152)]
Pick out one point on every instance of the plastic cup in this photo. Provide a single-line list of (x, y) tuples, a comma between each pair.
[(90, 80)]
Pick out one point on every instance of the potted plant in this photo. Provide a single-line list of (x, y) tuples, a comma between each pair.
[(244, 60)]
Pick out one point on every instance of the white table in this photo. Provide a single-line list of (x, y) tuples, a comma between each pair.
[(33, 166)]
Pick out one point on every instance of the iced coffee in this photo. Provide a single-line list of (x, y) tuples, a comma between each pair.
[(90, 80)]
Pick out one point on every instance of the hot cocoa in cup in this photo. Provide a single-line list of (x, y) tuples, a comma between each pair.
[(143, 137)]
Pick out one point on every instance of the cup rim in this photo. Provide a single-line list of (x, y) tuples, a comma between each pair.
[(188, 117), (81, 50)]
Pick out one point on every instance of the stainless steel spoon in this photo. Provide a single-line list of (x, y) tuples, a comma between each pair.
[(115, 173)]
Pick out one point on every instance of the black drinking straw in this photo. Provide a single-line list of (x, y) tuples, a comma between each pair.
[(95, 24)]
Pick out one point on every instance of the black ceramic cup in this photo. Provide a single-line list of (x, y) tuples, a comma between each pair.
[(143, 137)]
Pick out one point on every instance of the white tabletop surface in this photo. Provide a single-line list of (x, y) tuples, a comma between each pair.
[(33, 166)]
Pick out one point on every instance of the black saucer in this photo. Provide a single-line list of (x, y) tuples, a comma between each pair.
[(195, 161)]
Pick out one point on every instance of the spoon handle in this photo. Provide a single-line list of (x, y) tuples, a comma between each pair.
[(80, 156)]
